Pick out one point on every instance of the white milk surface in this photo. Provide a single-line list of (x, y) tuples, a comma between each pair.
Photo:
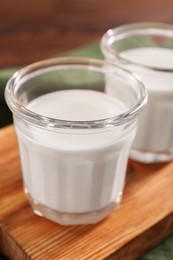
[(75, 171), (155, 131)]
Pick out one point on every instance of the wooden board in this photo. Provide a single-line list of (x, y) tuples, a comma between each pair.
[(144, 218)]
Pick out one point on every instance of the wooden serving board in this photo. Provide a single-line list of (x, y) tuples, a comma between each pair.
[(144, 218)]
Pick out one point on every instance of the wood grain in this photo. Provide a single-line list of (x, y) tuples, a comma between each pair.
[(34, 30), (144, 218), (40, 29)]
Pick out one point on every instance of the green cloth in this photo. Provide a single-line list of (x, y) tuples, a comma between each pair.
[(92, 51), (164, 251)]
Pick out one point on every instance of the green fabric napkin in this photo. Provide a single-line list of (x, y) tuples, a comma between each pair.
[(164, 251), (92, 51)]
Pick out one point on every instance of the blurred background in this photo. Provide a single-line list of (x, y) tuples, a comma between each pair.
[(33, 30)]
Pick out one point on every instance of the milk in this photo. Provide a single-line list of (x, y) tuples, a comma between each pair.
[(75, 170), (155, 131)]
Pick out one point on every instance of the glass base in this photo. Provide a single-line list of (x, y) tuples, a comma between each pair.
[(149, 157), (71, 218)]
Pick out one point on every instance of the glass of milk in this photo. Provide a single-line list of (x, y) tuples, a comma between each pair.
[(74, 138), (146, 49)]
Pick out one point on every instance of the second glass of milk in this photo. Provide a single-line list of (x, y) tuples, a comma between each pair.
[(74, 136), (147, 50)]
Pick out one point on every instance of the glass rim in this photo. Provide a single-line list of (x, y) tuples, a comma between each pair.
[(138, 28), (52, 123)]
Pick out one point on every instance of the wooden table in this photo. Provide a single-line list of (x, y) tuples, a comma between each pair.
[(143, 220), (34, 30)]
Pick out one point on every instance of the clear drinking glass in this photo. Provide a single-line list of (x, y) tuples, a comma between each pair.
[(74, 137), (147, 50)]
